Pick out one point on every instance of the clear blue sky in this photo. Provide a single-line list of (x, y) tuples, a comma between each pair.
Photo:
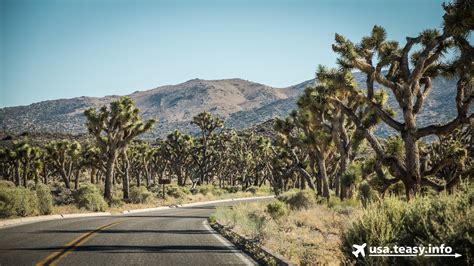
[(68, 48)]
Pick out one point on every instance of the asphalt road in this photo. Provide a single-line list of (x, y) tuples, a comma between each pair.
[(179, 236)]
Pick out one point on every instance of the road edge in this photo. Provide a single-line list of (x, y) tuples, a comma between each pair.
[(195, 204), (244, 257), (258, 253)]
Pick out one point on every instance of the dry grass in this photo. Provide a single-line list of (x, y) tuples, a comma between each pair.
[(67, 209), (306, 237)]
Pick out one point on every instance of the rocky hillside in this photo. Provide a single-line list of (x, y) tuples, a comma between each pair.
[(241, 103)]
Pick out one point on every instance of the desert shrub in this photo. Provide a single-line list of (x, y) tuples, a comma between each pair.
[(89, 197), (423, 221), (365, 193), (45, 199), (155, 189), (234, 189), (116, 202), (30, 184), (218, 191), (140, 195), (257, 218), (177, 192), (61, 194), (346, 206), (27, 203), (258, 190), (194, 191), (276, 209), (252, 189), (249, 219), (298, 199), (17, 201), (6, 184), (212, 219), (265, 190), (204, 189)]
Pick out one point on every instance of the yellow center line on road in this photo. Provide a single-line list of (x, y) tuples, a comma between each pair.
[(55, 257)]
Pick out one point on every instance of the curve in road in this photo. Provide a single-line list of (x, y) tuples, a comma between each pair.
[(179, 236)]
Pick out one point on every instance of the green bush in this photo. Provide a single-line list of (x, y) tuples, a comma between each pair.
[(61, 194), (365, 193), (89, 197), (116, 201), (140, 195), (212, 219), (17, 201), (234, 189), (45, 199), (276, 209), (298, 199), (177, 192), (437, 220), (27, 202)]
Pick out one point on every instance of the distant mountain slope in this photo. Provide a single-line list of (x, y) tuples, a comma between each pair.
[(241, 103)]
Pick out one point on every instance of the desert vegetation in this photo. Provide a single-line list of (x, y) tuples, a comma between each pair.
[(337, 182), (410, 189), (112, 166)]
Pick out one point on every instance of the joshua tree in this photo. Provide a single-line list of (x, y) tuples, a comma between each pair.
[(314, 119), (64, 158), (291, 155), (177, 151), (92, 159), (113, 128), (340, 85), (29, 158), (205, 157), (411, 84)]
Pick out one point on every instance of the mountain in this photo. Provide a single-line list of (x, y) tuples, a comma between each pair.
[(239, 102)]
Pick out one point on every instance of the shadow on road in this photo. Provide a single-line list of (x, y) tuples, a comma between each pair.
[(140, 249), (118, 231)]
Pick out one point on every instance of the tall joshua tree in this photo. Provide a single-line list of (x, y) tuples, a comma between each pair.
[(408, 73), (205, 157), (178, 147), (113, 129), (313, 119)]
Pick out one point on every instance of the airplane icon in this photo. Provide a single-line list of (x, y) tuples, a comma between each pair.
[(359, 249)]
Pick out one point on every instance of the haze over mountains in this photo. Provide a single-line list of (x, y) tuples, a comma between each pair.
[(239, 102)]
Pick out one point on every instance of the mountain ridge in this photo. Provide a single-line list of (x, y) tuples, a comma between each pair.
[(241, 103)]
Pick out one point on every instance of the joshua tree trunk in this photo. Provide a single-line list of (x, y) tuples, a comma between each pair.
[(179, 174), (93, 173), (109, 174), (321, 158), (25, 174), (45, 179), (76, 181), (319, 184), (412, 156), (126, 178), (139, 182)]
